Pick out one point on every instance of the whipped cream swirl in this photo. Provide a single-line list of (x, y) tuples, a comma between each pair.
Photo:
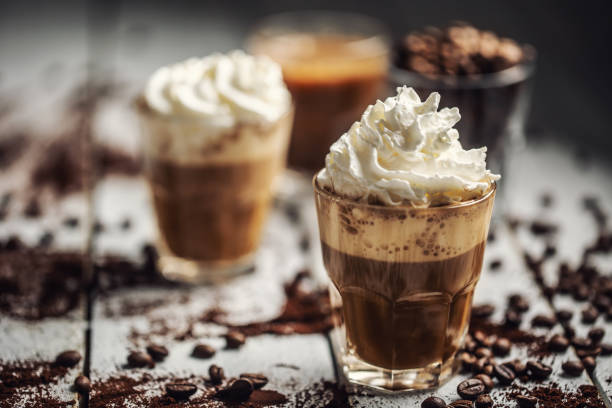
[(221, 89), (406, 152)]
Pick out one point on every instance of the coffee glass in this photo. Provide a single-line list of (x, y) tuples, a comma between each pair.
[(211, 191), (334, 64), (402, 283)]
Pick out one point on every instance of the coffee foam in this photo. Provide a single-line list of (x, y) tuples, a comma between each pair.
[(403, 234)]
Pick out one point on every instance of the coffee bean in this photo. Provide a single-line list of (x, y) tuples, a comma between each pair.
[(46, 239), (483, 311), (216, 374), (480, 337), (502, 346), (582, 343), (518, 303), (484, 401), (592, 352), (481, 363), (564, 315), (496, 263), (517, 366), (82, 384), (589, 364), (543, 321), (486, 380), (483, 352), (71, 222), (258, 380), (470, 389), (550, 251), (589, 315), (602, 303), (581, 292), (234, 339), (570, 332), (558, 343), (538, 370), (138, 359), (32, 209), (461, 404), (126, 224), (237, 390), (572, 368), (542, 228), (470, 345), (525, 401), (513, 319), (596, 334), (158, 352), (203, 351), (181, 391), (488, 369), (68, 358), (606, 349), (433, 402), (467, 361), (504, 374)]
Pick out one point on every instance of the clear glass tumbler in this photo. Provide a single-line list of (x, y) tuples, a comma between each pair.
[(402, 283), (334, 64), (211, 191)]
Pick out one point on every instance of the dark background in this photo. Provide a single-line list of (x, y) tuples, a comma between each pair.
[(572, 38)]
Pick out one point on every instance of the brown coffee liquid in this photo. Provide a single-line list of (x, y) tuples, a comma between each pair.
[(212, 212), (403, 315)]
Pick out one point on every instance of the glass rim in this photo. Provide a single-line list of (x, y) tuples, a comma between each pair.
[(463, 204), (514, 74)]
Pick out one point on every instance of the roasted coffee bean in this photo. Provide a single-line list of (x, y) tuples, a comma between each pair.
[(589, 315), (558, 343), (606, 349), (570, 332), (216, 374), (467, 361), (484, 401), (483, 352), (518, 303), (433, 402), (32, 209), (13, 243), (71, 222), (502, 346), (596, 334), (68, 358), (480, 337), (602, 303), (589, 364), (504, 374), (181, 391), (581, 292), (481, 363), (203, 351), (592, 352), (486, 380), (526, 401), (46, 239), (470, 389), (470, 345), (258, 380), (550, 251), (237, 390), (482, 311), (542, 228), (582, 343), (572, 368), (158, 352), (513, 319), (517, 366), (496, 263), (488, 369), (461, 404), (234, 339), (82, 384), (126, 224), (543, 321), (138, 359), (538, 370)]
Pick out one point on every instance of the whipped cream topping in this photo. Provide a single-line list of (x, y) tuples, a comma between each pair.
[(221, 89), (406, 152)]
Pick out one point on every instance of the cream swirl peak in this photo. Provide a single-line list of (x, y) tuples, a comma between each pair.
[(404, 151), (221, 89)]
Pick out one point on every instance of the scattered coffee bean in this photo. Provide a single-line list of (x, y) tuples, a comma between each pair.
[(258, 380), (216, 374), (433, 402), (479, 336), (13, 243), (501, 347), (519, 367), (488, 369), (71, 222), (126, 224), (203, 351), (158, 352), (526, 401), (558, 343), (32, 209), (461, 404), (481, 363), (592, 352), (82, 384), (496, 263), (513, 319), (602, 303), (483, 352), (467, 361), (237, 390), (68, 358), (46, 239), (181, 391), (590, 314), (139, 359), (518, 303), (484, 401), (550, 251), (486, 380), (589, 364), (234, 339), (596, 334), (573, 368), (570, 332), (470, 389), (504, 374), (581, 292), (538, 370), (606, 349), (543, 321), (582, 343), (482, 311), (542, 228)]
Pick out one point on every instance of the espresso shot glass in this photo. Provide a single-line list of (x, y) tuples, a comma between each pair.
[(402, 284)]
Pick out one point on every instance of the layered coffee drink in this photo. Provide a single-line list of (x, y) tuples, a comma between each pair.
[(216, 134), (333, 73), (403, 214)]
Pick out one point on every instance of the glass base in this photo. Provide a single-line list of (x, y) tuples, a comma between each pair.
[(356, 371), (196, 272)]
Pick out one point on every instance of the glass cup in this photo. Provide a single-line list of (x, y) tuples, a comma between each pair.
[(402, 283), (334, 64), (211, 191)]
